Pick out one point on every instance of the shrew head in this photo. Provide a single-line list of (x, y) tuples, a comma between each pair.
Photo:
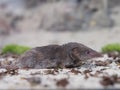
[(80, 53)]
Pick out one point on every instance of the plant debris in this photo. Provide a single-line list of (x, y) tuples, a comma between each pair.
[(103, 63), (76, 72), (110, 80), (117, 61), (53, 72), (97, 73), (63, 82), (86, 73), (12, 72), (114, 54), (9, 72), (12, 55)]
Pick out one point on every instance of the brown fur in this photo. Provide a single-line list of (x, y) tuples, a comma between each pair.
[(54, 56)]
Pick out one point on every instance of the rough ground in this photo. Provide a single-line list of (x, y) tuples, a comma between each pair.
[(100, 74)]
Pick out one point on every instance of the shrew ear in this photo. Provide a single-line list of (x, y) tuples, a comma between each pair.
[(75, 54)]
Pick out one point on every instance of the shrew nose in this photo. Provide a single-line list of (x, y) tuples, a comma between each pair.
[(96, 54)]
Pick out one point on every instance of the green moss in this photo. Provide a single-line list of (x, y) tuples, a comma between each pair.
[(14, 48), (111, 48)]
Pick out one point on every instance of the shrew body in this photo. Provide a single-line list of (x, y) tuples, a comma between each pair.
[(54, 56)]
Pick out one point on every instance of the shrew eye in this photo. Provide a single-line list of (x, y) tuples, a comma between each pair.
[(87, 52)]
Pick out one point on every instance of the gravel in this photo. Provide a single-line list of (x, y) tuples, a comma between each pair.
[(88, 76)]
